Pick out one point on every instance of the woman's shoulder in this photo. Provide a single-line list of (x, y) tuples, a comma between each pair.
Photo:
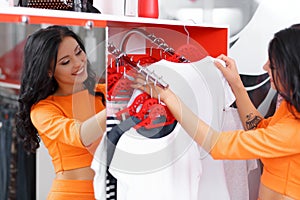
[(46, 103)]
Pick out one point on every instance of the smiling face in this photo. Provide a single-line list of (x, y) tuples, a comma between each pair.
[(71, 67)]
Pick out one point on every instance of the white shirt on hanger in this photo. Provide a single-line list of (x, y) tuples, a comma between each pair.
[(175, 167)]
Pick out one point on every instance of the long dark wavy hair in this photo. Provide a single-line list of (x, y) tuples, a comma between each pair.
[(284, 56), (40, 52)]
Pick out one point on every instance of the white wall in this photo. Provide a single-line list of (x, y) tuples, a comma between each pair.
[(113, 7), (232, 12)]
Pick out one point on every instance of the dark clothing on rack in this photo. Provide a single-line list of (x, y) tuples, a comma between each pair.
[(118, 130), (115, 134), (17, 168), (5, 150)]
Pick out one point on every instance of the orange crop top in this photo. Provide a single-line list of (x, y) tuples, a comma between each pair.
[(58, 120), (276, 142)]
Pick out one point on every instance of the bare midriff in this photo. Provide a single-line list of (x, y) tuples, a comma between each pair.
[(85, 173)]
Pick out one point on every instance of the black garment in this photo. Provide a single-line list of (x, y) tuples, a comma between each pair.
[(5, 151), (158, 132), (17, 167), (115, 131), (115, 134), (91, 8)]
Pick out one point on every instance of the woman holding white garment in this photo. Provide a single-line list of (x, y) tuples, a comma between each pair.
[(276, 140)]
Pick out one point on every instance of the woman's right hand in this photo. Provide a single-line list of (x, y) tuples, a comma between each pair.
[(155, 91), (229, 71)]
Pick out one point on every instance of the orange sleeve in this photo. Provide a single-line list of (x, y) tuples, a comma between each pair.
[(279, 139), (264, 123), (49, 120), (101, 88)]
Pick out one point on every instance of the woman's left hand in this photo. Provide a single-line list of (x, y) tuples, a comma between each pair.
[(229, 71), (154, 91)]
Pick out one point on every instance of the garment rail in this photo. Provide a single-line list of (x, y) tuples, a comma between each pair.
[(9, 85), (159, 42), (135, 65)]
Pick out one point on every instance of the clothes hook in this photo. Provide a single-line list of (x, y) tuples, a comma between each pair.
[(151, 50), (188, 34), (140, 68), (158, 94), (147, 78), (124, 73), (117, 65), (147, 82), (151, 92)]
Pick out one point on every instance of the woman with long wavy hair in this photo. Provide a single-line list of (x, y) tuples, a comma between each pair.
[(61, 103)]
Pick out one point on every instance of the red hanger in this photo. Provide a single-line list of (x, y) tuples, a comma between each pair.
[(112, 79), (118, 83), (150, 111), (131, 110), (147, 60), (120, 88)]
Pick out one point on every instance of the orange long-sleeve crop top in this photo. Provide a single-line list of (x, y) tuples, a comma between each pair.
[(276, 142), (58, 120)]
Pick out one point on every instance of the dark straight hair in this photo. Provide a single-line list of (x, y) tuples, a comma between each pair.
[(284, 56)]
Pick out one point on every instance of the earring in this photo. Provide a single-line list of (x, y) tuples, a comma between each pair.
[(50, 74)]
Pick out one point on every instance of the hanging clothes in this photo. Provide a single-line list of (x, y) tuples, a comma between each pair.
[(174, 166), (237, 171), (105, 185), (17, 168), (6, 126)]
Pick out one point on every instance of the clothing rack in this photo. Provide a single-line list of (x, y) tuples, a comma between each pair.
[(8, 95), (151, 76), (120, 55), (9, 85), (159, 42)]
